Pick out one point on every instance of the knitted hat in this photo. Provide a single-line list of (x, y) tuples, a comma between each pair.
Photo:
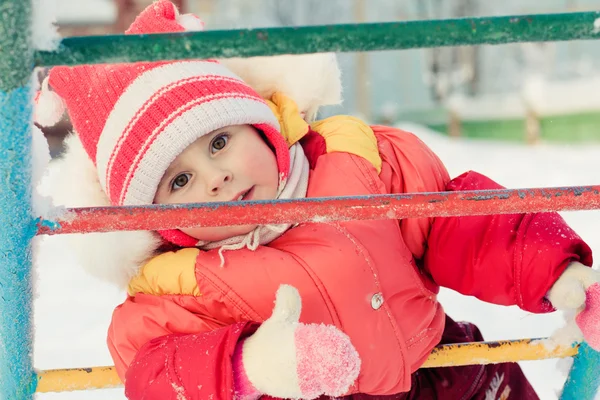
[(135, 119)]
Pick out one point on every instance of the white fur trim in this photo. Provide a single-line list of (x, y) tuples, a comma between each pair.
[(137, 94), (73, 181), (568, 292), (180, 133), (269, 355), (40, 158), (114, 257), (311, 80), (40, 155)]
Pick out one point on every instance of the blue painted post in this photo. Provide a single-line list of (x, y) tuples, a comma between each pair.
[(584, 379), (17, 226)]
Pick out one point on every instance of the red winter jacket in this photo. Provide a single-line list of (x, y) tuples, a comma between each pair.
[(175, 334)]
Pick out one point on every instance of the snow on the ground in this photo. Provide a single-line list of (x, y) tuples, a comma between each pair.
[(538, 94), (72, 310)]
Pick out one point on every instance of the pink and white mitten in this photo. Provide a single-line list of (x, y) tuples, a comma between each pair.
[(579, 288), (287, 359)]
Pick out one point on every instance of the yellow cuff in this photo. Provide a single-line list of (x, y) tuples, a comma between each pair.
[(168, 273)]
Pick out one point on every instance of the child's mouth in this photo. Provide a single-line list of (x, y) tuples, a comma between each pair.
[(245, 195)]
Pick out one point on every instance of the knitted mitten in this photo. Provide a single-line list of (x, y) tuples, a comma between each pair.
[(579, 288), (288, 359)]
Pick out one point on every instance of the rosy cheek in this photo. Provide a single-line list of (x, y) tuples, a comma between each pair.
[(264, 166)]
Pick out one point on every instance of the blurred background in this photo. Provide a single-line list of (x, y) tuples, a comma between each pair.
[(527, 92)]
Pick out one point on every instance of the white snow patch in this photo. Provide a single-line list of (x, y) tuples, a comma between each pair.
[(319, 219), (179, 391), (597, 25), (86, 11), (569, 332), (44, 30), (542, 96)]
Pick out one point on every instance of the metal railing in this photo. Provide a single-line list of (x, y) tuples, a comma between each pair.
[(18, 379)]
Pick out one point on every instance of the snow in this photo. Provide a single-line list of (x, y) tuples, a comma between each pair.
[(44, 32), (72, 309), (47, 13), (85, 11), (597, 25), (41, 203), (543, 96)]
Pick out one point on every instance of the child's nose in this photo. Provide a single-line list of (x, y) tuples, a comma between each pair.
[(219, 180)]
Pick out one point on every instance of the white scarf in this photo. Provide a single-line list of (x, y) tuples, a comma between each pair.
[(295, 187)]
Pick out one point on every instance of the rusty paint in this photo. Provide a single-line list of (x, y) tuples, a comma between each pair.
[(496, 352), (393, 206)]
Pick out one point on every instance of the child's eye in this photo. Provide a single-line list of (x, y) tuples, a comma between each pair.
[(180, 181), (219, 143)]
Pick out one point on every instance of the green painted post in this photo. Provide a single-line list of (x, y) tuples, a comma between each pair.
[(17, 226)]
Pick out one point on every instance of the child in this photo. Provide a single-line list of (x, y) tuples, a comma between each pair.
[(198, 320)]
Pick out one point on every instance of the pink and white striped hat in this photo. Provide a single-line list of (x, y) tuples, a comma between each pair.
[(135, 119)]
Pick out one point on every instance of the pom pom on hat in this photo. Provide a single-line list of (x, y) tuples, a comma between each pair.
[(49, 106), (162, 16), (190, 22)]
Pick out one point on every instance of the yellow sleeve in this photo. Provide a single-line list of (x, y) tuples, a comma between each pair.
[(172, 272)]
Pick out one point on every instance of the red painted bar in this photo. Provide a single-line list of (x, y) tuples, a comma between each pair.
[(481, 202)]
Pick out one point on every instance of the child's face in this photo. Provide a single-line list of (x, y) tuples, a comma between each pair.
[(229, 164)]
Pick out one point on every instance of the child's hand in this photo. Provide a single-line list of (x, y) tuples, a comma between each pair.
[(288, 359), (579, 288)]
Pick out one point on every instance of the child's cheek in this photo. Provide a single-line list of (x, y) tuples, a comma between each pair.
[(264, 165)]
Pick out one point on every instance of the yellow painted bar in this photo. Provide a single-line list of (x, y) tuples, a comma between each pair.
[(62, 380), (65, 380), (497, 352)]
